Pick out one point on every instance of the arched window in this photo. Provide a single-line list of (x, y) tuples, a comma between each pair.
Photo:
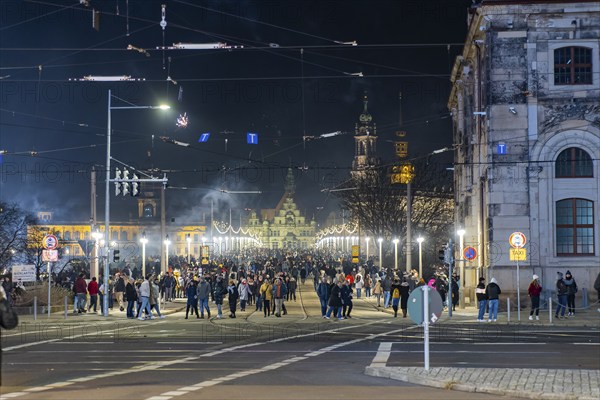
[(574, 163), (573, 66), (574, 227)]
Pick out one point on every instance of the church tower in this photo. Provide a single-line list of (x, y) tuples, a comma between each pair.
[(365, 139)]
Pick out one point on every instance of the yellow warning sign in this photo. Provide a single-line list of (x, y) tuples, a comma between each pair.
[(355, 254), (518, 254)]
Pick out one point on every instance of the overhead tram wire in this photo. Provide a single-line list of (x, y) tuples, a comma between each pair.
[(63, 8)]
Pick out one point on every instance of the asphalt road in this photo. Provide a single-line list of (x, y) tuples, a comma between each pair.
[(298, 356)]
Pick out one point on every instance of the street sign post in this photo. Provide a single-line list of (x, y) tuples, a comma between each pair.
[(424, 307), (470, 253), (50, 242), (23, 273), (517, 241)]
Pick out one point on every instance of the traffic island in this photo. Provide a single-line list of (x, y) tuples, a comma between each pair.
[(513, 382)]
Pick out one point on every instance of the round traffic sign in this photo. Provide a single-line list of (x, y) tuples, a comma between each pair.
[(470, 253), (517, 240), (416, 303), (50, 242)]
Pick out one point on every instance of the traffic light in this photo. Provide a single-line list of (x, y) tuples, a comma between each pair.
[(117, 184), (135, 186), (116, 256), (125, 188)]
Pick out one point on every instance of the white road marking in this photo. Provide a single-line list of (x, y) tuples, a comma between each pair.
[(153, 365), (215, 381), (383, 354)]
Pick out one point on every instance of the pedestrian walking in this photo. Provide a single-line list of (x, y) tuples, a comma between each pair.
[(386, 285), (323, 291), (335, 301), (132, 297), (358, 284), (561, 293), (395, 296), (93, 292), (192, 299), (145, 295), (492, 292), (481, 299), (571, 291), (218, 293), (155, 297), (378, 291), (346, 293), (404, 295), (232, 296), (367, 285), (534, 290), (279, 293), (266, 293), (203, 291), (119, 290), (244, 293)]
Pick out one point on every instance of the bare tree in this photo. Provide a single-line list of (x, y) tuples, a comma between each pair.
[(380, 206), (13, 232)]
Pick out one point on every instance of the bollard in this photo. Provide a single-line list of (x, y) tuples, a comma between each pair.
[(34, 308), (550, 309), (584, 298), (508, 308), (66, 307)]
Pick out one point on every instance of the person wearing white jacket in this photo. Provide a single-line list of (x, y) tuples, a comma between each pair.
[(244, 291), (358, 284), (145, 295)]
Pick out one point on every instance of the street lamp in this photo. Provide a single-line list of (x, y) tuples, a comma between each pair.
[(143, 241), (420, 240), (188, 239), (167, 243), (367, 243), (107, 187), (380, 241), (396, 254), (461, 298), (97, 236)]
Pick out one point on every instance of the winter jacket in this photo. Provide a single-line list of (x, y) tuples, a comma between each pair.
[(145, 289), (233, 294), (492, 291), (93, 288), (571, 285), (335, 298), (480, 292), (346, 294), (191, 295), (120, 286), (244, 291), (219, 292), (377, 289), (561, 287), (323, 291), (404, 295), (203, 290), (80, 286), (281, 289), (130, 292), (266, 291), (534, 289), (387, 284)]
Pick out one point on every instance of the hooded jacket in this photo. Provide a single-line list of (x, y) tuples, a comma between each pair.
[(493, 290), (571, 285)]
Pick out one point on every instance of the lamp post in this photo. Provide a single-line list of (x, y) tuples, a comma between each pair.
[(188, 239), (380, 241), (420, 241), (96, 235), (395, 241), (367, 243), (167, 243), (107, 186), (143, 241), (461, 298)]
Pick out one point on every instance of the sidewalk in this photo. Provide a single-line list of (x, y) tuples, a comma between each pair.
[(514, 382), (584, 318)]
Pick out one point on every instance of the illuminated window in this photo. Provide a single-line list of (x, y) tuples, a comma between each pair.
[(572, 66), (574, 227)]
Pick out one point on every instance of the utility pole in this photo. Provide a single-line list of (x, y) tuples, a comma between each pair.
[(164, 263), (94, 261)]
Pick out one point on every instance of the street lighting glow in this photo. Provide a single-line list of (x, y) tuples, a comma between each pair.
[(380, 240), (420, 239), (164, 107), (395, 241), (144, 240), (167, 241), (460, 232)]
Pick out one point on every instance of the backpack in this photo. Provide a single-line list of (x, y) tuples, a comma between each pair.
[(396, 294)]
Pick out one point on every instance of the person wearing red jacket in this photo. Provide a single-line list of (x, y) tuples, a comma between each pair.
[(93, 291), (534, 293)]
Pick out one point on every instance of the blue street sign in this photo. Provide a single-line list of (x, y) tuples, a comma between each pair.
[(252, 138), (501, 148), (204, 137)]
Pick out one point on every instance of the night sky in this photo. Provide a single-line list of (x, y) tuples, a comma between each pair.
[(270, 87)]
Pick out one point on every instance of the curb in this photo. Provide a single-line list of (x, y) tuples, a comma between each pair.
[(396, 374)]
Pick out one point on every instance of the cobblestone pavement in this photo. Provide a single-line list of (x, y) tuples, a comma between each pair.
[(513, 382)]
